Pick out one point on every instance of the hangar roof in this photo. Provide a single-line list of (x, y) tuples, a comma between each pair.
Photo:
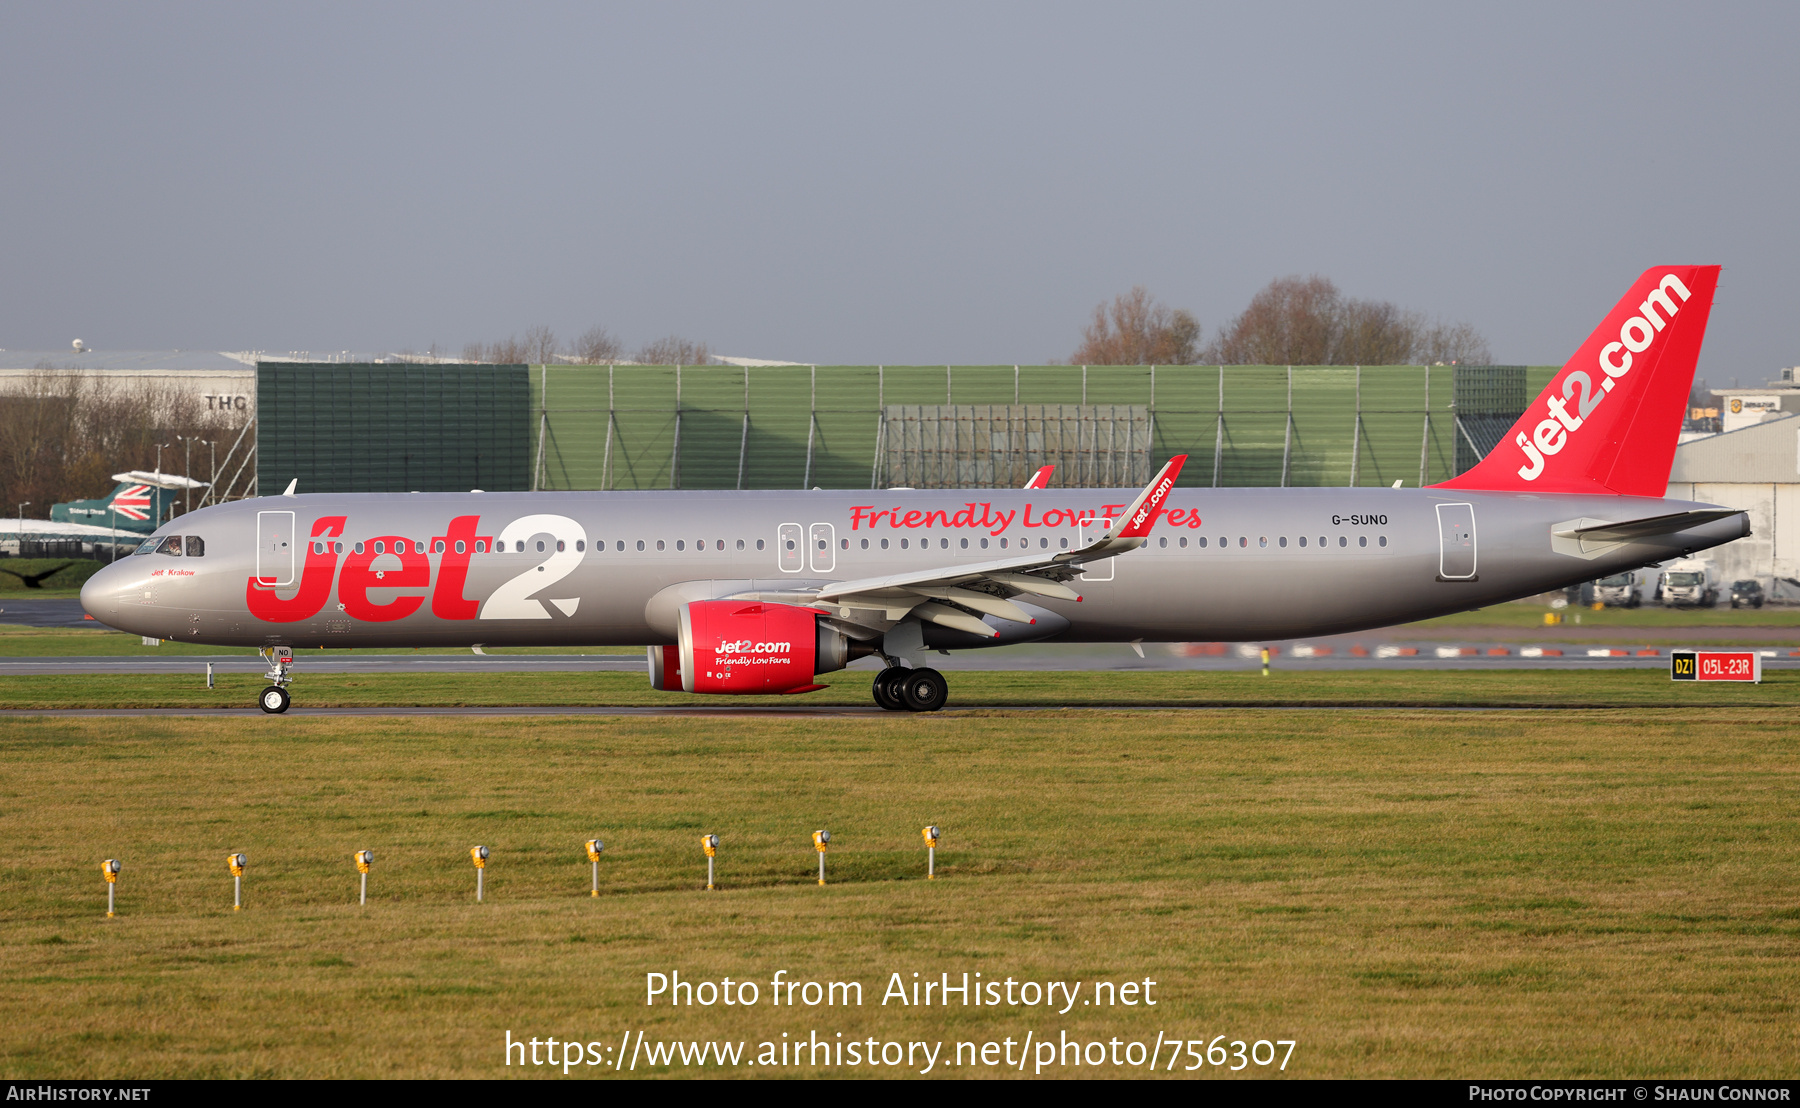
[(1763, 453), (126, 361)]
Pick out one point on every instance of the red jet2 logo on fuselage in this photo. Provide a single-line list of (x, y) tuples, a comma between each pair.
[(455, 546)]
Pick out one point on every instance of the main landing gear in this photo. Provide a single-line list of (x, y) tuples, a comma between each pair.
[(912, 690), (275, 700)]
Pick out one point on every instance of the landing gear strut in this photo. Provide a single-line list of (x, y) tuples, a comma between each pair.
[(914, 690), (275, 700)]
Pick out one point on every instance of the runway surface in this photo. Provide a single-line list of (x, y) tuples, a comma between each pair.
[(1568, 647), (1113, 659)]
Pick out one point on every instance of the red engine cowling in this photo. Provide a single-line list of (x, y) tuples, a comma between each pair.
[(735, 646)]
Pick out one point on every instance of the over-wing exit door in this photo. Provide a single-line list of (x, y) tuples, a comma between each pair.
[(1456, 542), (789, 543)]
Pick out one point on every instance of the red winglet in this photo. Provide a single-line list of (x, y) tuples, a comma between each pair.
[(1143, 513), (1041, 479)]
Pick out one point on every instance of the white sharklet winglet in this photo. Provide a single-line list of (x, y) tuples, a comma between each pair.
[(1645, 528), (1133, 530), (292, 485)]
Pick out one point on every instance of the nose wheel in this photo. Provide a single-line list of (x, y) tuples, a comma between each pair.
[(275, 700), (912, 690)]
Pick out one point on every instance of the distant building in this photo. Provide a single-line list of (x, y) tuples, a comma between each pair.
[(1755, 467), (223, 384), (1740, 408)]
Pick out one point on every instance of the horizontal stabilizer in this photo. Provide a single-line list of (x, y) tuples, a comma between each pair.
[(1645, 528)]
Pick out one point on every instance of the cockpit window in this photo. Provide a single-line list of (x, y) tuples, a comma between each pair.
[(170, 546), (196, 546), (148, 546)]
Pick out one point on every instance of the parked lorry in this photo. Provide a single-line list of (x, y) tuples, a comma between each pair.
[(1621, 590), (1689, 582)]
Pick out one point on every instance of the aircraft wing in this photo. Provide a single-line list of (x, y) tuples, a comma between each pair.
[(958, 595), (1631, 529)]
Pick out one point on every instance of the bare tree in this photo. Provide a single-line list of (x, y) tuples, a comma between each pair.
[(597, 346), (540, 345), (508, 351), (1306, 321), (62, 435), (673, 350), (1137, 330)]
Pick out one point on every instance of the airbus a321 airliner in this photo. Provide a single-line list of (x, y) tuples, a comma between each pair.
[(759, 592)]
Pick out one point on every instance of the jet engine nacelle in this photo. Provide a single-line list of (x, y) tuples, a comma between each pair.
[(736, 646)]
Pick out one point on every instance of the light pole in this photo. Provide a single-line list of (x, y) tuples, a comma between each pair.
[(212, 481), (22, 508), (159, 450), (187, 470)]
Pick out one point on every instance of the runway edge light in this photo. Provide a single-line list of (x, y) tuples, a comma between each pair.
[(930, 835), (710, 844), (821, 843), (110, 870), (594, 847), (478, 855), (364, 859), (236, 863)]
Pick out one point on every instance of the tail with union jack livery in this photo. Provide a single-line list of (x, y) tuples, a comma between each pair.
[(139, 504), (1609, 421)]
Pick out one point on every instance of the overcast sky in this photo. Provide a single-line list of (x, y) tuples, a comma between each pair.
[(859, 183)]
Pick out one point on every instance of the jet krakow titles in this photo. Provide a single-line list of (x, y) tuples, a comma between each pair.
[(917, 991)]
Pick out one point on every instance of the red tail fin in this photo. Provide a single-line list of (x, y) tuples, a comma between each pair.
[(1609, 421)]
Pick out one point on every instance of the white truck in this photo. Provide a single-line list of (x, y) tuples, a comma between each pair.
[(1621, 590), (1689, 582)]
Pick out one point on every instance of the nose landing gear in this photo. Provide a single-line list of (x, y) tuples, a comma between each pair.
[(275, 700), (913, 690)]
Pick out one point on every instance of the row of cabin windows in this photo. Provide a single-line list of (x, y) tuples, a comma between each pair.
[(379, 546), (944, 544), (196, 546), (1244, 541)]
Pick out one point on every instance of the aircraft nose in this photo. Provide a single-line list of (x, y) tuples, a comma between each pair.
[(103, 593)]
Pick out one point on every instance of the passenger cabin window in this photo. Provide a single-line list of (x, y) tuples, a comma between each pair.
[(196, 546), (461, 547), (759, 544)]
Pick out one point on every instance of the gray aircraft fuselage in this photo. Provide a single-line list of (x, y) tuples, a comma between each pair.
[(613, 568)]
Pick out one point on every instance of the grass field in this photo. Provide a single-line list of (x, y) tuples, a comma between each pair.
[(1603, 892)]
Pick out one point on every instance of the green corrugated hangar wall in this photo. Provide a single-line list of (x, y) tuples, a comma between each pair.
[(377, 427), (725, 427)]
